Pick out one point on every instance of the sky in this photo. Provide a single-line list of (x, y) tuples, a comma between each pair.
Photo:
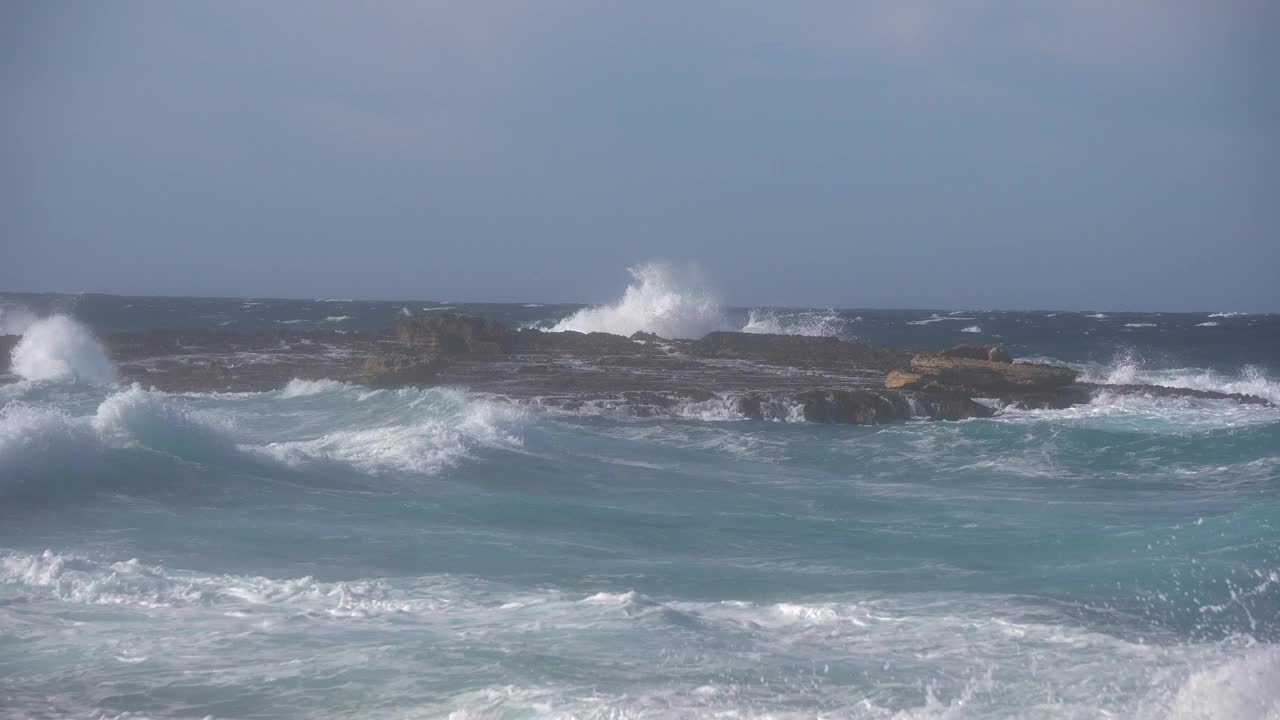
[(1091, 154)]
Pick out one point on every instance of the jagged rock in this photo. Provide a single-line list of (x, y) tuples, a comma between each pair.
[(978, 378), (1163, 391), (455, 334), (797, 350), (643, 336), (853, 407), (951, 407), (399, 369), (994, 353)]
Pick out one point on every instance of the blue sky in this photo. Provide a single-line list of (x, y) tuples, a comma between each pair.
[(1088, 154)]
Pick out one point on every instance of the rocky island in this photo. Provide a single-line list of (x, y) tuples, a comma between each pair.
[(734, 374)]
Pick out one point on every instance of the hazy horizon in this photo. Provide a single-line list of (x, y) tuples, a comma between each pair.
[(870, 155)]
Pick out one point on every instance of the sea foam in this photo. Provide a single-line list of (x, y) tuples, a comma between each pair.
[(661, 299), (1128, 369), (60, 349), (820, 323)]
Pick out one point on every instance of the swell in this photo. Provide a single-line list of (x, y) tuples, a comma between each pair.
[(308, 425)]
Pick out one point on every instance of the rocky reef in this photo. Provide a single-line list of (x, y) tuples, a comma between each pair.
[(724, 374)]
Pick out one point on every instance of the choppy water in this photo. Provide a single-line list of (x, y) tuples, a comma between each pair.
[(324, 550)]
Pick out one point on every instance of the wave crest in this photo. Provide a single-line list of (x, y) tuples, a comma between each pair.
[(59, 349), (661, 299)]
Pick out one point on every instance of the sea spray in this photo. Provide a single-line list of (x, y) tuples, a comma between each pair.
[(824, 323), (60, 349), (15, 319), (661, 299)]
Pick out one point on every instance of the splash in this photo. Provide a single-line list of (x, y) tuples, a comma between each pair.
[(823, 323), (661, 299), (15, 319), (60, 349), (1128, 369), (972, 329)]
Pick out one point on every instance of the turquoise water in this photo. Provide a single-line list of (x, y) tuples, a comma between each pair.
[(325, 550)]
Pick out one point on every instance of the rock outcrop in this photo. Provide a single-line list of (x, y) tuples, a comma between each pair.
[(441, 333), (994, 353), (798, 350), (399, 369), (725, 374), (980, 378)]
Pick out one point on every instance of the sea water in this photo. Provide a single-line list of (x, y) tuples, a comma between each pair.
[(328, 550)]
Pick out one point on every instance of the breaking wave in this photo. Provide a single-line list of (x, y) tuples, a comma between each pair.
[(819, 323), (373, 431), (661, 299), (1128, 369), (59, 349)]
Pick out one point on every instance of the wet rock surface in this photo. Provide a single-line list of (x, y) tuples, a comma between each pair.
[(723, 375)]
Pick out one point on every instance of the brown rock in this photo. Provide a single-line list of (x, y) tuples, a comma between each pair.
[(982, 378), (900, 379), (399, 369), (455, 334)]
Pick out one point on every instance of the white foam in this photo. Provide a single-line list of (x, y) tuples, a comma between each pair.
[(1207, 324), (935, 318), (426, 432), (302, 388), (661, 299), (1140, 325), (60, 349), (1127, 369), (972, 329), (816, 323), (1097, 316), (1227, 314), (338, 318), (1241, 688)]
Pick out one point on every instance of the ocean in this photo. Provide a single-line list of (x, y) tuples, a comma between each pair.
[(328, 550)]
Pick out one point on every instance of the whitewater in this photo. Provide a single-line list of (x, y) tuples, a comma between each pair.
[(324, 549)]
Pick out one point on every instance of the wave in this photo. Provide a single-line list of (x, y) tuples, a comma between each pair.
[(337, 318), (936, 318), (833, 653), (1228, 315), (972, 329), (375, 432), (1207, 324), (1141, 325), (1127, 369), (816, 323), (404, 431), (661, 299), (59, 349)]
